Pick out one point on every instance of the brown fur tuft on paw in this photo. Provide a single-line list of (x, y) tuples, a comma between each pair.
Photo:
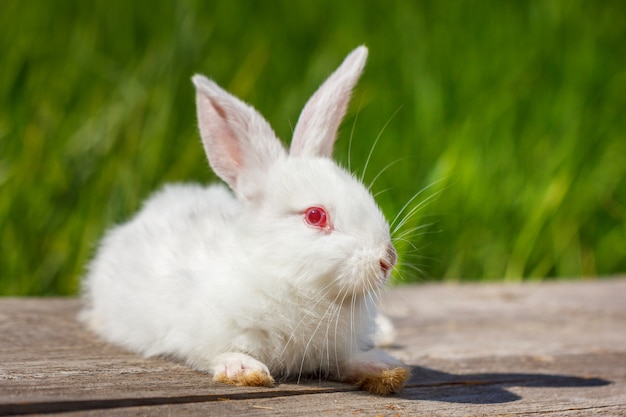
[(386, 382), (252, 379)]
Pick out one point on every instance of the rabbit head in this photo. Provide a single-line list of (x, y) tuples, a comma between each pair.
[(305, 221)]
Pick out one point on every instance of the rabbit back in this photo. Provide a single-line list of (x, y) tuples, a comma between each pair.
[(146, 274)]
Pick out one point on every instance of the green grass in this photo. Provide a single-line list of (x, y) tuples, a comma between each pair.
[(513, 112)]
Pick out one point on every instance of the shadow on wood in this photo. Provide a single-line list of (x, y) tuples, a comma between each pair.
[(483, 388)]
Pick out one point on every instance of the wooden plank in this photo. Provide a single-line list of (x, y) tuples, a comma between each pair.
[(535, 390), (540, 349)]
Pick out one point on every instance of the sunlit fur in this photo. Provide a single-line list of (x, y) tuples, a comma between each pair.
[(238, 285)]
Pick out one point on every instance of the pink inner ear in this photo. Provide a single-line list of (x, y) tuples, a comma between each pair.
[(317, 126), (316, 130), (219, 140), (239, 143), (308, 130)]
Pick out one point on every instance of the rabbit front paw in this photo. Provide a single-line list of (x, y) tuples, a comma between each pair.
[(376, 372), (240, 369)]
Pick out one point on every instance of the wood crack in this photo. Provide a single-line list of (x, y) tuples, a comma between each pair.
[(50, 407)]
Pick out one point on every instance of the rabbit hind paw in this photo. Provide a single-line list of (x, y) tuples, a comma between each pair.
[(387, 381)]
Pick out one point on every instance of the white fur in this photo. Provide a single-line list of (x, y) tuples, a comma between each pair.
[(223, 281)]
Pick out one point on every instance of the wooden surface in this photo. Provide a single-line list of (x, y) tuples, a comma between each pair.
[(550, 349)]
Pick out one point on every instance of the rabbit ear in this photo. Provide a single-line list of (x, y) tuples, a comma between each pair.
[(238, 141), (317, 126)]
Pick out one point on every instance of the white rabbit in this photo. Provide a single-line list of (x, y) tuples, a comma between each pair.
[(279, 280)]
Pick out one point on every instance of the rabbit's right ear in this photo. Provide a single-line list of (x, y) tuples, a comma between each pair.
[(238, 141), (316, 130)]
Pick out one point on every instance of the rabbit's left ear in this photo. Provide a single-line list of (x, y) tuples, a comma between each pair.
[(239, 143), (316, 130)]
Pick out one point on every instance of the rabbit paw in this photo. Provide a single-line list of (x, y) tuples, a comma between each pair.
[(242, 370), (376, 372), (384, 381)]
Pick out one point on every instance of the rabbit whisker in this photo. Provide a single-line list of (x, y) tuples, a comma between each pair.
[(309, 313), (371, 152), (356, 116), (415, 209), (407, 241), (308, 344), (333, 309), (395, 225), (408, 233), (381, 192), (385, 168)]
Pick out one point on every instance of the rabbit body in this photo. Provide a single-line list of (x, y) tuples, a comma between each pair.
[(277, 279)]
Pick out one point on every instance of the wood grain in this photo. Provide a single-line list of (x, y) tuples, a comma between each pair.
[(554, 349)]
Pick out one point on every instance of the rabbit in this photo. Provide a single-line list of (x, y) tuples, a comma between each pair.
[(276, 279)]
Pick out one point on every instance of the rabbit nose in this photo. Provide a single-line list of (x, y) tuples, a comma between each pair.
[(385, 266), (389, 260)]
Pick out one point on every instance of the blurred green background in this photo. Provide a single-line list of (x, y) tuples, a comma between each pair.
[(508, 116)]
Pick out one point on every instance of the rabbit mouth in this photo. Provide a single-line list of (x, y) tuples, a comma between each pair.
[(367, 275)]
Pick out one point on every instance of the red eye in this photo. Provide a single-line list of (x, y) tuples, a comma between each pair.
[(316, 217)]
